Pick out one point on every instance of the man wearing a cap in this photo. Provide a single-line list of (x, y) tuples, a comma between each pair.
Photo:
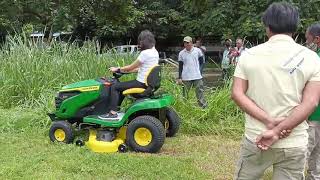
[(190, 59)]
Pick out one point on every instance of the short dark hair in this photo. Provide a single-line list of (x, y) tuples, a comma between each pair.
[(314, 29), (281, 18), (146, 40)]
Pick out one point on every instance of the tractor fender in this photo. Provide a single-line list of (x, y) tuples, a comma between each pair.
[(148, 104)]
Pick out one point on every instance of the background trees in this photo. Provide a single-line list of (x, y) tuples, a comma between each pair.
[(168, 19)]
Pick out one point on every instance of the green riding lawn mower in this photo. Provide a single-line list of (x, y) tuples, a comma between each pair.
[(142, 127)]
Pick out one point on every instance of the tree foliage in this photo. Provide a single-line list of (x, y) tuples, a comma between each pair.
[(242, 18), (166, 18)]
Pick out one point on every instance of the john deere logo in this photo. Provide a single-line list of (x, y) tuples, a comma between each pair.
[(92, 88), (83, 89)]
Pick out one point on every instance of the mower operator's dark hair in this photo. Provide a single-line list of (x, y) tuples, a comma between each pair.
[(281, 18), (314, 29), (146, 40)]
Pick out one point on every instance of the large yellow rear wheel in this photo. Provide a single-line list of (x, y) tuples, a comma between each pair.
[(145, 134)]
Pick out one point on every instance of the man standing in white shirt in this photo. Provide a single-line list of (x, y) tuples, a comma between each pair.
[(190, 59)]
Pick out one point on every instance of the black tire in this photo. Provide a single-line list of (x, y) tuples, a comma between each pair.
[(80, 142), (151, 125), (172, 123), (63, 127), (122, 148)]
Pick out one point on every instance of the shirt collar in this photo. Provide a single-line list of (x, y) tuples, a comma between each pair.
[(190, 50), (281, 37)]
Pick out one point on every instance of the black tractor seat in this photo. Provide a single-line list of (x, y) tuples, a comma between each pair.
[(152, 82)]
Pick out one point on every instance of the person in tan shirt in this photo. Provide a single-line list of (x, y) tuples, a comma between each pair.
[(277, 85)]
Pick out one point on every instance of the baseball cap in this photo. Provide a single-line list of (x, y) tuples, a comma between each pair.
[(187, 39), (229, 40)]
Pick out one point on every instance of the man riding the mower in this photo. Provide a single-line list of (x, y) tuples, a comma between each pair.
[(148, 58)]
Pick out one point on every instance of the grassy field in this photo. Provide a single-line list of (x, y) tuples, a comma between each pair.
[(206, 147), (32, 156), (27, 153)]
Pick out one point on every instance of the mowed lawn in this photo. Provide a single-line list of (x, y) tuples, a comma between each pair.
[(32, 156), (27, 153)]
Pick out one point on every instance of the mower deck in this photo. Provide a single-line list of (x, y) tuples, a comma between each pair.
[(102, 146)]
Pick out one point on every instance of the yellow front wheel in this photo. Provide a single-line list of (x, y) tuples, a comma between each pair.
[(59, 135), (145, 134), (61, 131)]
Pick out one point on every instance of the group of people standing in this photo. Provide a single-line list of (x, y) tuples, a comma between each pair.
[(231, 56), (191, 64)]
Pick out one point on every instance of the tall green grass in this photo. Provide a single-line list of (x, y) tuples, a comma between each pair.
[(31, 73), (221, 117)]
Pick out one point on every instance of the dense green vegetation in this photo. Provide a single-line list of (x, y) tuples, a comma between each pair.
[(109, 19)]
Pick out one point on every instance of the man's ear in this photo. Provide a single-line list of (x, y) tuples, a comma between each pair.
[(268, 32), (317, 40)]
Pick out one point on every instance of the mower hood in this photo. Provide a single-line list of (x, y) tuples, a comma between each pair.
[(82, 86)]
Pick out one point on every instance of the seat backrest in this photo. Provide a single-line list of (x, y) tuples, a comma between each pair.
[(153, 78), (153, 81)]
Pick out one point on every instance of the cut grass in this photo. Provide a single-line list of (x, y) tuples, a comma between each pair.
[(27, 153), (32, 156)]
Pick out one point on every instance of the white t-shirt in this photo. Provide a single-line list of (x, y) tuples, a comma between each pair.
[(190, 59), (148, 58), (277, 72)]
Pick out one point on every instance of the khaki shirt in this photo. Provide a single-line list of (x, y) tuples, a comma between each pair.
[(277, 72)]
